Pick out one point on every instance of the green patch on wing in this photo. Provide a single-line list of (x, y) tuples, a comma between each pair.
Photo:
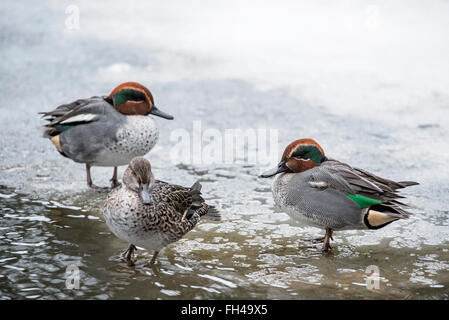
[(63, 127), (363, 202)]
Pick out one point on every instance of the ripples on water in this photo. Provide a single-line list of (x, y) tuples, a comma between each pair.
[(49, 219)]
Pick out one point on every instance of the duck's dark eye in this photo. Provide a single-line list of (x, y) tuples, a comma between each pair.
[(134, 95), (299, 153)]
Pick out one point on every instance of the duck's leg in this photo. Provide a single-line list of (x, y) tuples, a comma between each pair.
[(128, 254), (153, 260), (114, 181), (327, 240), (89, 181)]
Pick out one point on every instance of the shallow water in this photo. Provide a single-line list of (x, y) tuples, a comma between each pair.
[(50, 220)]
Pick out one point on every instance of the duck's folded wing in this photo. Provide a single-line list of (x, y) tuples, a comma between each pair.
[(75, 113), (187, 201), (385, 184), (177, 196), (356, 182)]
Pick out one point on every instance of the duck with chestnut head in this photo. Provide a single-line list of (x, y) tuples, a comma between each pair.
[(106, 131), (150, 213), (332, 195)]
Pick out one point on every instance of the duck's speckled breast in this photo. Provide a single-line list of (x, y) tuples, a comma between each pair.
[(279, 189), (282, 192), (136, 137)]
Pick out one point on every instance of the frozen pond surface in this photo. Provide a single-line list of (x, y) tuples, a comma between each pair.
[(394, 122)]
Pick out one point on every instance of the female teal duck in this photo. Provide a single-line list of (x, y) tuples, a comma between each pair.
[(152, 214), (332, 195), (106, 131)]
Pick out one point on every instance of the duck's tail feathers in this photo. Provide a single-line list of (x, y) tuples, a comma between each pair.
[(198, 202), (380, 215), (408, 183), (195, 191), (196, 186), (212, 214)]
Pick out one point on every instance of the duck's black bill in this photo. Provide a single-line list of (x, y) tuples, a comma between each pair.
[(145, 195), (155, 111), (279, 169)]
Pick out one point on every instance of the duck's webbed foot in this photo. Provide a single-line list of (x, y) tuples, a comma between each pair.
[(90, 183), (320, 239), (327, 240), (115, 183), (128, 255), (98, 189)]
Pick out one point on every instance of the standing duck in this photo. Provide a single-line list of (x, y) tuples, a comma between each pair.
[(332, 195), (106, 131), (150, 213)]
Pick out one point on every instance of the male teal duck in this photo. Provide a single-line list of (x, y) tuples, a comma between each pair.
[(150, 213), (106, 131), (332, 195)]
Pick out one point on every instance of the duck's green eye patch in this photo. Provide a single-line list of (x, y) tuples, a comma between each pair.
[(308, 152), (127, 95)]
